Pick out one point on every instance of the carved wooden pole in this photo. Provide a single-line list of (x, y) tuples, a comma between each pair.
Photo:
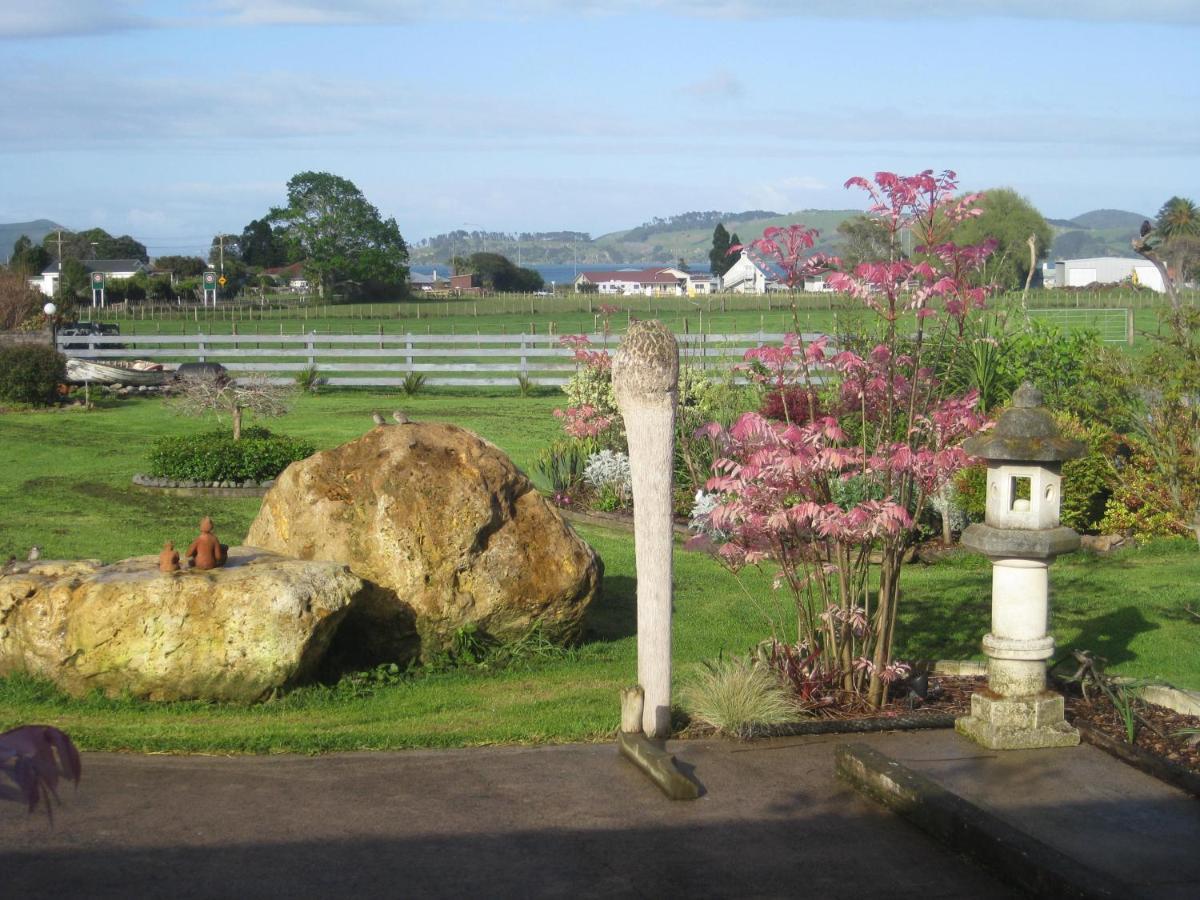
[(645, 376)]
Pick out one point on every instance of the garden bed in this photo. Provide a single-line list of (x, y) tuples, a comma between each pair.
[(949, 697), (1157, 747)]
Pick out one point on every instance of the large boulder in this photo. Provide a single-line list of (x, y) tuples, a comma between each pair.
[(261, 623), (451, 533)]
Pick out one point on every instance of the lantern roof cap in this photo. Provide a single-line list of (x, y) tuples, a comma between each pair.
[(1025, 432)]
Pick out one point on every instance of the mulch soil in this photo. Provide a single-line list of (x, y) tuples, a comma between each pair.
[(1158, 737)]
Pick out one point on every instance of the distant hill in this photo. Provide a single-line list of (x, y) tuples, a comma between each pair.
[(1101, 232), (687, 236), (35, 231), (1110, 218)]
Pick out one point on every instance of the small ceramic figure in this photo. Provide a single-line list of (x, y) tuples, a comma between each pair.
[(206, 552), (168, 560)]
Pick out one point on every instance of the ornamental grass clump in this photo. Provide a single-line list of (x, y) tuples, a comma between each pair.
[(832, 502), (736, 694)]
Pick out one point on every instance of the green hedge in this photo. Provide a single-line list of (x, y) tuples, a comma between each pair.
[(31, 373), (216, 456)]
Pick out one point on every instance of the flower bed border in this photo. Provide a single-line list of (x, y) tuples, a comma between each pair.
[(202, 488)]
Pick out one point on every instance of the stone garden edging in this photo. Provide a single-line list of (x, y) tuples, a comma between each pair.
[(181, 488)]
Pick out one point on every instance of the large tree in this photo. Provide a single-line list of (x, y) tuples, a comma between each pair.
[(262, 246), (94, 243), (719, 260), (865, 239), (28, 258), (498, 273), (1178, 224), (1011, 221), (341, 237)]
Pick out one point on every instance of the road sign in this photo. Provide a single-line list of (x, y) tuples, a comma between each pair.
[(97, 281), (221, 281), (210, 279)]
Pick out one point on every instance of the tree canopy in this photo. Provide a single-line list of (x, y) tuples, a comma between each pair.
[(500, 274), (28, 258), (95, 243), (864, 239), (1010, 219), (719, 259), (341, 237)]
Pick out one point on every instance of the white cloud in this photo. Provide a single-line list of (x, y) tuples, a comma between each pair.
[(55, 18), (58, 18), (721, 85)]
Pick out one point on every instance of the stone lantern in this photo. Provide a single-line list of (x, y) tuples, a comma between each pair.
[(1021, 535)]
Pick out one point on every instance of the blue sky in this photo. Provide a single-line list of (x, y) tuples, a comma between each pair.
[(173, 121)]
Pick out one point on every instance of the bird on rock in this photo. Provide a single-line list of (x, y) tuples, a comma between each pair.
[(400, 417), (35, 553), (377, 418)]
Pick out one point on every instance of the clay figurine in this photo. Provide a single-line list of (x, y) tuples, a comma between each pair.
[(206, 552), (168, 560)]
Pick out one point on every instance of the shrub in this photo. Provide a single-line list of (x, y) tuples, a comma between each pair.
[(794, 404), (736, 694), (216, 456), (31, 373), (609, 474), (310, 380), (413, 384), (562, 464)]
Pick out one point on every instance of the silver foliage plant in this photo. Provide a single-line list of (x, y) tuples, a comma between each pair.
[(609, 469)]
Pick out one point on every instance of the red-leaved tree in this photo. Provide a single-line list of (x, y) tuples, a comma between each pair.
[(833, 502)]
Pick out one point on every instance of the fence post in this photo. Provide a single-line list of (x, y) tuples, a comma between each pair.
[(1129, 326), (524, 359), (200, 347), (408, 360), (309, 345)]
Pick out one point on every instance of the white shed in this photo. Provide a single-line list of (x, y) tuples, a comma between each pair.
[(1106, 270)]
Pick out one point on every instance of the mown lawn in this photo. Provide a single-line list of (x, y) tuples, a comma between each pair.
[(65, 484)]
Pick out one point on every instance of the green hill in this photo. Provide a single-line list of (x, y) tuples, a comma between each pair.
[(687, 236), (35, 231), (1101, 232)]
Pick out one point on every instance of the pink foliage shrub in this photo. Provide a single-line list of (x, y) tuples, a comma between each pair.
[(831, 500)]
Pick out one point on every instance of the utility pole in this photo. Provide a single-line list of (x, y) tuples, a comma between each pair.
[(221, 245)]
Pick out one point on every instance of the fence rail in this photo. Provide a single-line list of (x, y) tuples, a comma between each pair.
[(1114, 324), (384, 360)]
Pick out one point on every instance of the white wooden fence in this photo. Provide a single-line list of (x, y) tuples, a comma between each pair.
[(383, 360)]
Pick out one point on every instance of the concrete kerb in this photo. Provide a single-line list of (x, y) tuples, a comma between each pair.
[(966, 828)]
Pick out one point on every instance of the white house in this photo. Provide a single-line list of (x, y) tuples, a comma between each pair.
[(748, 276), (47, 282), (1106, 270), (650, 282)]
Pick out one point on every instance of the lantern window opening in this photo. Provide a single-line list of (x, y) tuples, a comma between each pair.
[(1021, 493)]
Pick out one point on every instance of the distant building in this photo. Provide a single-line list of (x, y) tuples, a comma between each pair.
[(1105, 270), (749, 276), (650, 282), (292, 276), (468, 283), (419, 281), (47, 282)]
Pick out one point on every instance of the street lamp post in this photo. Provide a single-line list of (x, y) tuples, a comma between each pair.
[(51, 312)]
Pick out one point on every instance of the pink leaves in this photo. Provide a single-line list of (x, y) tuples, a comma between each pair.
[(787, 248), (584, 421)]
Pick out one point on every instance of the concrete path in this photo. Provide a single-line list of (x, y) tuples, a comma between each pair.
[(1121, 823), (571, 821)]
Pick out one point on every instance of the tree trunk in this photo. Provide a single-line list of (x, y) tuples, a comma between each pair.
[(237, 422)]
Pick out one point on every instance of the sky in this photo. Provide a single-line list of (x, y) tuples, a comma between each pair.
[(176, 120)]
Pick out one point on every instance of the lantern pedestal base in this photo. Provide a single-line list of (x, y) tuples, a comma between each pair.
[(1017, 723)]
